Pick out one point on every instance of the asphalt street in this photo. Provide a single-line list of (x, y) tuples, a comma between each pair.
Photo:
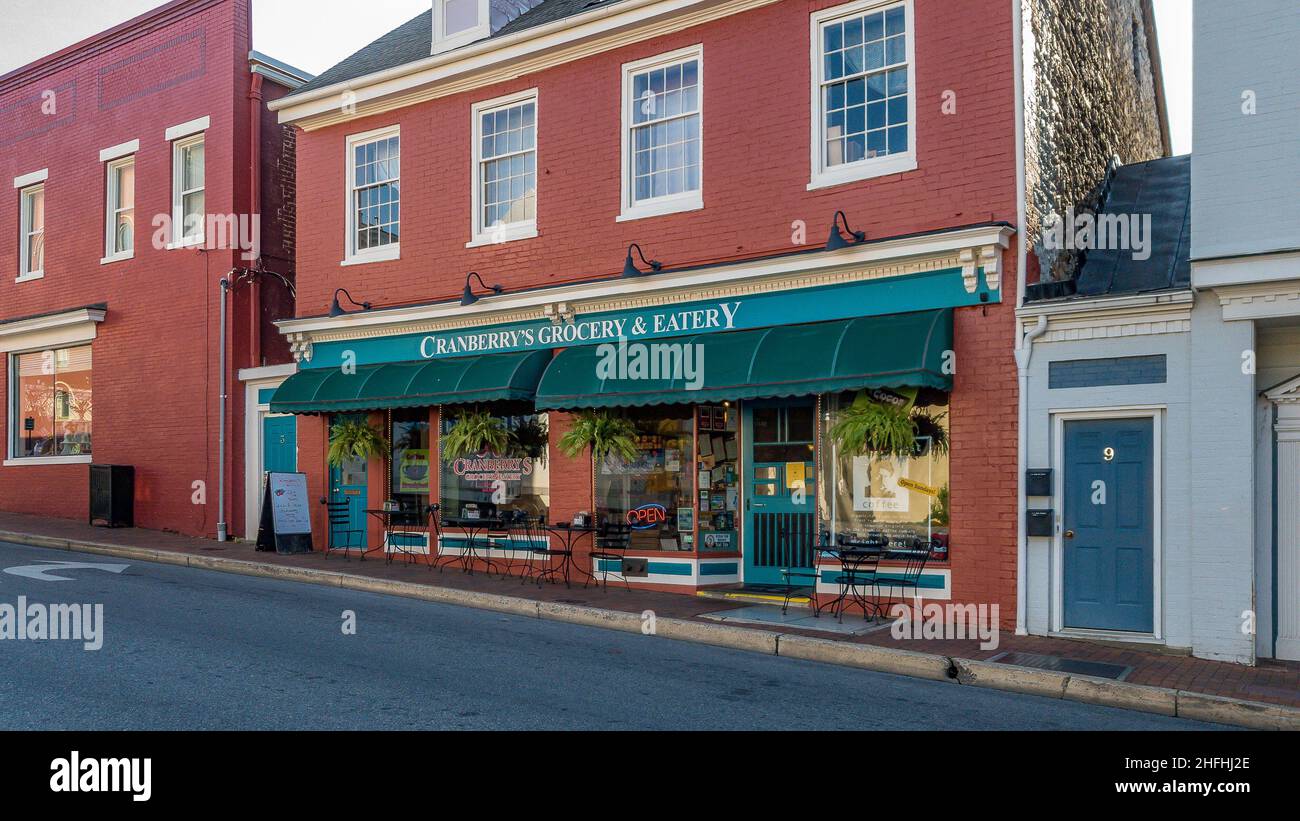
[(196, 649)]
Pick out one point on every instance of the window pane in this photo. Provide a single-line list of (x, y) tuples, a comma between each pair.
[(192, 167), (192, 209), (36, 211), (124, 231), (459, 15), (124, 186), (859, 54), (53, 400), (72, 408)]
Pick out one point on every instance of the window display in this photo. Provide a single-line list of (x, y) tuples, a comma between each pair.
[(718, 481), (411, 471), (654, 493), (494, 463), (52, 399), (899, 496)]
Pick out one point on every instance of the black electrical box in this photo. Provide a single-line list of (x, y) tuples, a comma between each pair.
[(1038, 482), (1039, 522), (112, 495)]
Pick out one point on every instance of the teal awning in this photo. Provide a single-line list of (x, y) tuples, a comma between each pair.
[(894, 351), (412, 384)]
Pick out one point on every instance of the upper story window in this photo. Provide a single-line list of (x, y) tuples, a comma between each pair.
[(863, 76), (188, 191), (662, 105), (505, 169), (31, 250), (459, 22), (119, 237), (374, 195)]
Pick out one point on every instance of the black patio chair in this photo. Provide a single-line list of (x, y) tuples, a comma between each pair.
[(612, 542), (531, 531), (797, 578), (407, 529), (914, 555), (339, 518)]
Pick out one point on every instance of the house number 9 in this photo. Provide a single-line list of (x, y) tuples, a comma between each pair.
[(1108, 454)]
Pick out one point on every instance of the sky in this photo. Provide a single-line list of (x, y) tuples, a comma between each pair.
[(315, 34)]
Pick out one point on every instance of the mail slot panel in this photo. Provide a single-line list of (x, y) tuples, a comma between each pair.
[(1039, 522)]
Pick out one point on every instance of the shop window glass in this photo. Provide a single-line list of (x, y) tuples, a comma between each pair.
[(411, 470), (488, 483), (903, 499), (52, 400), (654, 493), (718, 481)]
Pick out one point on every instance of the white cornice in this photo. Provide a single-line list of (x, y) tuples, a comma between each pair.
[(1265, 300), (1107, 317), (888, 258), (40, 332), (498, 59)]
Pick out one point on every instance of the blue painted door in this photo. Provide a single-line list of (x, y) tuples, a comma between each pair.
[(780, 496), (349, 483), (1108, 525), (279, 444)]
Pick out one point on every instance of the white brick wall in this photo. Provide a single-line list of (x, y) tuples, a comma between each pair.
[(1245, 169)]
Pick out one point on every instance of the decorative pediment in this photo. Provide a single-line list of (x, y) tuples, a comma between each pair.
[(1288, 391)]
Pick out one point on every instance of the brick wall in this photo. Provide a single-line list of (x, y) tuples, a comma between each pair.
[(155, 374)]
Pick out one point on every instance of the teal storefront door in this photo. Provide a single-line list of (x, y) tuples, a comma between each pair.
[(279, 444), (1108, 522), (349, 483), (780, 495)]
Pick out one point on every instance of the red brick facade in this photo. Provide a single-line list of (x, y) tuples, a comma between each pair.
[(155, 357), (755, 189)]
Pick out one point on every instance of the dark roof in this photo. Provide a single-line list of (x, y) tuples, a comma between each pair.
[(413, 40), (1159, 188)]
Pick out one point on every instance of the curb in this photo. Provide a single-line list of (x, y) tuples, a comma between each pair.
[(932, 666)]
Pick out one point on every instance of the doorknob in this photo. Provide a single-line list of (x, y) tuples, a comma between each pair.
[(1069, 534)]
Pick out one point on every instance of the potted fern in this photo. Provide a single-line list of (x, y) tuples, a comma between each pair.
[(869, 426), (604, 433), (530, 439), (472, 433), (354, 439)]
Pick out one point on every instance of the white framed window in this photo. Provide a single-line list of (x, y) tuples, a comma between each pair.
[(863, 94), (51, 408), (459, 22), (188, 194), (119, 210), (31, 248), (505, 169), (374, 174), (663, 105)]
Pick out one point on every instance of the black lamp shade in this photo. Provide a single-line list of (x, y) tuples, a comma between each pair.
[(336, 309), (468, 297), (835, 241), (629, 267)]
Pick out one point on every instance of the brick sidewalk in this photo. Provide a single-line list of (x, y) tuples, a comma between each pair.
[(1271, 682)]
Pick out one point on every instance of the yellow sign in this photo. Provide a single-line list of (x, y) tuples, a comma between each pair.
[(918, 487), (794, 474)]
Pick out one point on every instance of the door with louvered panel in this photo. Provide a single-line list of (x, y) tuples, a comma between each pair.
[(780, 491)]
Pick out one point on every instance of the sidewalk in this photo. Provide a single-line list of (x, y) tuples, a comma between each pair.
[(1236, 694)]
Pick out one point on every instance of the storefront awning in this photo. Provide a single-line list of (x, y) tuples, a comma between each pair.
[(412, 384), (894, 351)]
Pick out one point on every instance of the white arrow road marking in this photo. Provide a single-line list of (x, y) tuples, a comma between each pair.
[(42, 571)]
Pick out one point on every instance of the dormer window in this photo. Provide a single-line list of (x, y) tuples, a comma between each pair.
[(459, 22)]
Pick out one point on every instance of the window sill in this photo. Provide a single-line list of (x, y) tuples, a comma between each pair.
[(864, 170), (508, 233), (662, 207), (388, 254), (193, 242), (117, 258), (30, 276), (35, 461)]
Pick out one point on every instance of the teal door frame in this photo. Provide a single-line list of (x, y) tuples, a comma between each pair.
[(779, 530), (350, 482)]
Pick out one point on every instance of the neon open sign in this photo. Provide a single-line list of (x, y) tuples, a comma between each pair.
[(646, 517)]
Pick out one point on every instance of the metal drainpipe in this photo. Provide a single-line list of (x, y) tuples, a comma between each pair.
[(1022, 255), (221, 417)]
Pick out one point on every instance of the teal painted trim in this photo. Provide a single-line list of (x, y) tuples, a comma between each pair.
[(922, 291), (928, 581), (658, 568), (719, 569), (516, 545), (264, 395)]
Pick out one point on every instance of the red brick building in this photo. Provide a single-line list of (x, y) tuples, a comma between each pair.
[(139, 158), (532, 144)]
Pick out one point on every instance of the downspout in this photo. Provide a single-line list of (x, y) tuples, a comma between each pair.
[(255, 206), (226, 286), (1023, 346)]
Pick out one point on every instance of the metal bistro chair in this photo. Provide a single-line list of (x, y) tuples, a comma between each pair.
[(498, 538), (914, 559), (612, 542), (531, 530), (411, 530), (339, 518), (796, 577)]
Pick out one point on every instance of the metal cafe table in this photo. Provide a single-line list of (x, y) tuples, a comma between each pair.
[(858, 568), (474, 528), (568, 535)]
